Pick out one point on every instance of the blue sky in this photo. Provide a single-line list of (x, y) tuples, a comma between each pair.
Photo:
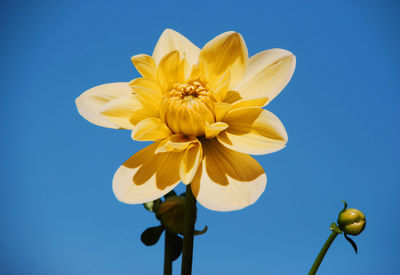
[(341, 111)]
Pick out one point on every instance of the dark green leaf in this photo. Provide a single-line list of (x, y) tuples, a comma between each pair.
[(345, 206), (197, 232), (353, 244), (151, 235), (177, 244)]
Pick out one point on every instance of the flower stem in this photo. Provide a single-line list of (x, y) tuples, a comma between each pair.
[(322, 253), (168, 253), (188, 231)]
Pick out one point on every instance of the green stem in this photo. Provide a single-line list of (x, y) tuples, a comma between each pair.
[(168, 253), (188, 231), (322, 253)]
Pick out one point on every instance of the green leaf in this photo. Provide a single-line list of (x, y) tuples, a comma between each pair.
[(151, 235), (177, 245), (345, 206), (353, 244), (197, 232)]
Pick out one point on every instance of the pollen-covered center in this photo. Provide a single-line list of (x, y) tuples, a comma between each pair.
[(188, 107)]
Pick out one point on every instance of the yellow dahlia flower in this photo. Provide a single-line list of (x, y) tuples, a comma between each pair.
[(203, 110)]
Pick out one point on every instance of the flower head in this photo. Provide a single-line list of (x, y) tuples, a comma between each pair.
[(203, 110)]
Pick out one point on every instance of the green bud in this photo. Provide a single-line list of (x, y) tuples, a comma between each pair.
[(351, 221), (171, 213)]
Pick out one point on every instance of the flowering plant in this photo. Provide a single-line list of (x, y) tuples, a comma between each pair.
[(203, 109)]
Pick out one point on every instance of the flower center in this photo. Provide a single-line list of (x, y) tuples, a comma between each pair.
[(188, 107)]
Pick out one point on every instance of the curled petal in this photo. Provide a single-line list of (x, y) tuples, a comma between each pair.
[(150, 129), (171, 40), (145, 65), (267, 74), (175, 143), (147, 176), (212, 130), (227, 180), (226, 53), (91, 102), (253, 131), (190, 162), (192, 154)]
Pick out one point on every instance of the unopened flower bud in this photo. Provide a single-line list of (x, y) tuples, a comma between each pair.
[(351, 221), (172, 213)]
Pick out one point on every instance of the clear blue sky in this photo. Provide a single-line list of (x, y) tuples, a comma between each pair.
[(58, 214)]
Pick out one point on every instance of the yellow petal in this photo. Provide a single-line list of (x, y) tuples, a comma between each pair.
[(267, 74), (192, 154), (171, 40), (221, 109), (145, 65), (195, 73), (149, 96), (145, 83), (227, 53), (212, 130), (253, 131), (227, 180), (150, 129), (126, 111), (253, 102), (90, 103), (146, 176), (190, 162), (221, 84), (175, 143), (232, 96), (170, 71)]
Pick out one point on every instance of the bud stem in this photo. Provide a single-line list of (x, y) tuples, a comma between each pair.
[(188, 233), (322, 253), (168, 253)]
